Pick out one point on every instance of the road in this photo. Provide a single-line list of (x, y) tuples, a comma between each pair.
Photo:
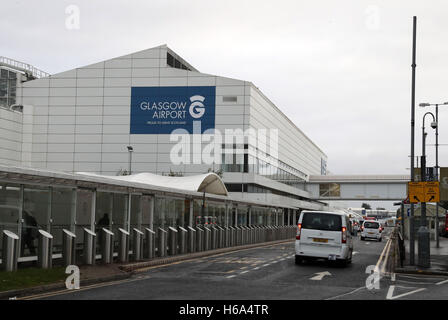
[(267, 272)]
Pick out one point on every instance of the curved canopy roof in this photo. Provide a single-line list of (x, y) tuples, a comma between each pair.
[(208, 182)]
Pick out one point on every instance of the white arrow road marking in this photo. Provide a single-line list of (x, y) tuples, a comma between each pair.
[(320, 275), (390, 293), (354, 252)]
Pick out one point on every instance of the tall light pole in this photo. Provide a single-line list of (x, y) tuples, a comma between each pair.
[(414, 65), (437, 161), (423, 232), (130, 150)]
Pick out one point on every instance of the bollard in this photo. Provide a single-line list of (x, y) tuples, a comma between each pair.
[(9, 253), (214, 237), (150, 244), (107, 246), (137, 244), (226, 237), (123, 246), (89, 249), (44, 250), (191, 239), (68, 248), (207, 238), (220, 237), (238, 236), (232, 236), (182, 240), (199, 239), (172, 241), (161, 242)]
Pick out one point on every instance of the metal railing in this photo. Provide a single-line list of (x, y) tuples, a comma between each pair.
[(22, 66)]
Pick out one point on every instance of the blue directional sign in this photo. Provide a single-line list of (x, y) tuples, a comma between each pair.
[(160, 110)]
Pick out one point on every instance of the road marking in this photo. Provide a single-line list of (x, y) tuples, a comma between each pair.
[(228, 277), (256, 268), (345, 294), (442, 282), (367, 242), (244, 272), (265, 265), (354, 252), (390, 293), (320, 275)]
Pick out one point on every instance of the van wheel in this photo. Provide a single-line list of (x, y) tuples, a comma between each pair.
[(299, 260)]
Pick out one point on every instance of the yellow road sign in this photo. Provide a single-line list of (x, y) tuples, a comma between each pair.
[(432, 191), (427, 191), (416, 192)]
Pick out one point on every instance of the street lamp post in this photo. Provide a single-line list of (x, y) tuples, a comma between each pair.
[(423, 231), (437, 162), (130, 150)]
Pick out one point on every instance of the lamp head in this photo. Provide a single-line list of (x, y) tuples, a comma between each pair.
[(434, 125), (130, 149)]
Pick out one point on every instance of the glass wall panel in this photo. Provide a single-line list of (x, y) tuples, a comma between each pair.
[(147, 203), (9, 209), (159, 213), (136, 211), (83, 214), (119, 216), (35, 215), (61, 215), (103, 215), (242, 215)]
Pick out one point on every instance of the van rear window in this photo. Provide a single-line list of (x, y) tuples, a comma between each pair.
[(321, 221)]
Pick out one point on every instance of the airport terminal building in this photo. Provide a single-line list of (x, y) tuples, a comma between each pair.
[(83, 120), (154, 114)]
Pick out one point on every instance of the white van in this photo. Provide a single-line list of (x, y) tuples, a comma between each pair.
[(324, 235)]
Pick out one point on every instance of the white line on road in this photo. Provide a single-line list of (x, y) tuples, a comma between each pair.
[(442, 282), (256, 268), (244, 272), (228, 277), (265, 265), (345, 294), (390, 293)]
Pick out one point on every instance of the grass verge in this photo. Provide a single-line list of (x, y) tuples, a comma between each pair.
[(30, 277)]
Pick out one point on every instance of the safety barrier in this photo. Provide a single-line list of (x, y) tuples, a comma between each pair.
[(145, 245)]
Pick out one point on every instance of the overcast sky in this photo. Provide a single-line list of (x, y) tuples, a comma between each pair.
[(341, 70)]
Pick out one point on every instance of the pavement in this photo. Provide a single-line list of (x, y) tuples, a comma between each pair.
[(89, 275), (92, 275), (438, 258)]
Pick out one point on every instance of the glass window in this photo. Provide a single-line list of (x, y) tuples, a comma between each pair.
[(35, 216), (147, 204), (83, 214), (136, 213), (322, 221), (329, 190), (61, 215), (9, 209)]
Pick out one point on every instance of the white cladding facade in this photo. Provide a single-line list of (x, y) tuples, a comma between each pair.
[(79, 121)]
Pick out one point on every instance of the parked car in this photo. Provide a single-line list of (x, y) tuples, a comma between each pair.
[(323, 235), (371, 229)]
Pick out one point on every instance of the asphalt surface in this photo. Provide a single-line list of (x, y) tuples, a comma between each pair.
[(269, 273)]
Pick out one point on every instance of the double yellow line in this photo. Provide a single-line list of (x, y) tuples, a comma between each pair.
[(384, 257)]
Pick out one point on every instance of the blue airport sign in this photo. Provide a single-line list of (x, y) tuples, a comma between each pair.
[(160, 110)]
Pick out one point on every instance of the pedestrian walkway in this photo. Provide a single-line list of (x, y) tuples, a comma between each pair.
[(439, 258)]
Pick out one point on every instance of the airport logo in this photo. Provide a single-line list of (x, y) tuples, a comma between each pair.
[(197, 108), (161, 110)]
